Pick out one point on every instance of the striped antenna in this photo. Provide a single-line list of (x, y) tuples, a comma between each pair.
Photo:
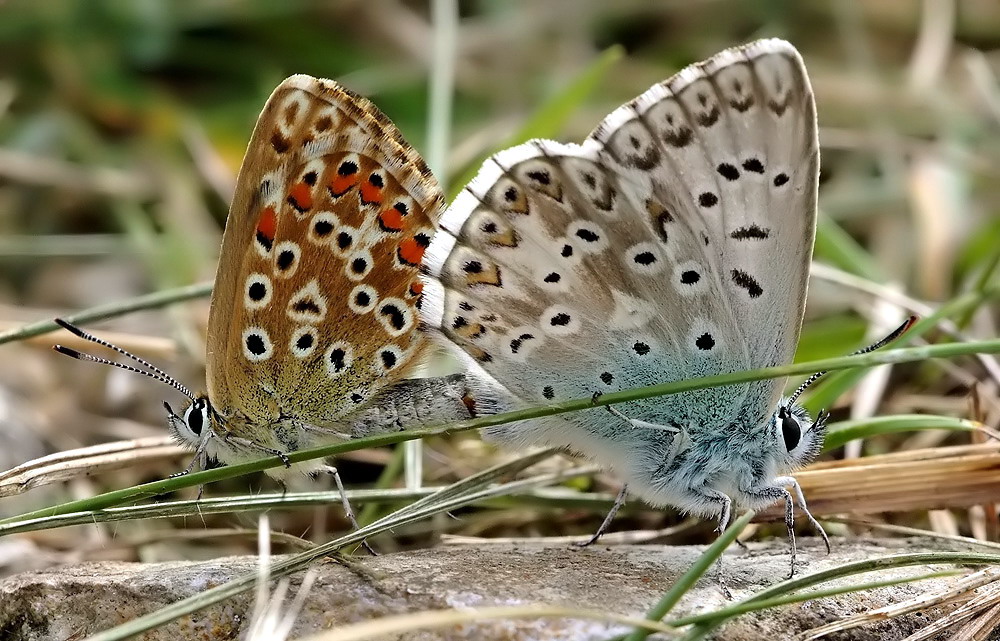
[(152, 371), (893, 335)]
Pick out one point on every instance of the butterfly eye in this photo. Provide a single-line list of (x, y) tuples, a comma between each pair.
[(790, 430), (194, 417)]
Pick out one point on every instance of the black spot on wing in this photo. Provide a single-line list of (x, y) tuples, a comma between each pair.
[(515, 344), (395, 315), (285, 259), (709, 118), (750, 232), (337, 359), (322, 228), (541, 177), (255, 344), (279, 143), (644, 258), (307, 305), (708, 199), (560, 320), (747, 282), (257, 291), (742, 104), (690, 277), (728, 171)]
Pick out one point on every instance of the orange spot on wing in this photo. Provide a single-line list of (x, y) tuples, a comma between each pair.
[(340, 184), (416, 288), (268, 223), (300, 196), (391, 219), (370, 193), (410, 251)]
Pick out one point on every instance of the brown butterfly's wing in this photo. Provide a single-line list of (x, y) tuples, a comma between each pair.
[(314, 307)]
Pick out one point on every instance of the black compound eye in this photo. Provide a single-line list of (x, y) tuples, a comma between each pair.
[(195, 417), (790, 430)]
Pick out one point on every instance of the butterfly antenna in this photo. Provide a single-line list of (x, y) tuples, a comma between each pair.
[(156, 373), (882, 342)]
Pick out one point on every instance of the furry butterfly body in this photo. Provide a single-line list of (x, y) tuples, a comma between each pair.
[(675, 242)]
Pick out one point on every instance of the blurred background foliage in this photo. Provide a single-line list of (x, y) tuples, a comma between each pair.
[(122, 124)]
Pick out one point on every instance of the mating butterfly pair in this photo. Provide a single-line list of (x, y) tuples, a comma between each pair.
[(674, 242)]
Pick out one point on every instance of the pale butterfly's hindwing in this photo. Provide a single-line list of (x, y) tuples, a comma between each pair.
[(314, 311), (675, 242)]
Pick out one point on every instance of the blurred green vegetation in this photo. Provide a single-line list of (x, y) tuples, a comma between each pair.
[(152, 93)]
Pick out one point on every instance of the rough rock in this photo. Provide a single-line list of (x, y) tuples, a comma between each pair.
[(76, 601)]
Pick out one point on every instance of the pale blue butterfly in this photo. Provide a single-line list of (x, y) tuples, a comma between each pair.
[(675, 242)]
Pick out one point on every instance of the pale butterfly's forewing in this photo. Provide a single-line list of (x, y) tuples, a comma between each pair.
[(736, 141), (673, 243), (314, 307)]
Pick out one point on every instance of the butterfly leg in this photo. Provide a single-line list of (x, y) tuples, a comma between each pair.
[(773, 494), (725, 505), (348, 511), (790, 481), (187, 470), (646, 425), (250, 445), (619, 500)]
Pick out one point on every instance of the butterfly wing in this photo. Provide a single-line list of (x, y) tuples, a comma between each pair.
[(737, 140), (314, 307), (664, 247)]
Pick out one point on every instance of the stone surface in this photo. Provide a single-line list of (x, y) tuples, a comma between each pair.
[(76, 601)]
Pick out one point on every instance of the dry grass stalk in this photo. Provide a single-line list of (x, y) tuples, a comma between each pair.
[(915, 480)]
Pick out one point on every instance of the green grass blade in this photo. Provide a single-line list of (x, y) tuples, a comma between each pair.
[(990, 274), (903, 355), (844, 431), (838, 434), (701, 630), (454, 496), (111, 310), (801, 597), (833, 387), (839, 248), (689, 578)]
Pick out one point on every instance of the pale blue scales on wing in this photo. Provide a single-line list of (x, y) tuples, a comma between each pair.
[(674, 242)]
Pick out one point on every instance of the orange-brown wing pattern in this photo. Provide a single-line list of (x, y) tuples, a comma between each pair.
[(314, 308)]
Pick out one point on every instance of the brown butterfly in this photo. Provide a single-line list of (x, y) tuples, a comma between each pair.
[(313, 323)]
